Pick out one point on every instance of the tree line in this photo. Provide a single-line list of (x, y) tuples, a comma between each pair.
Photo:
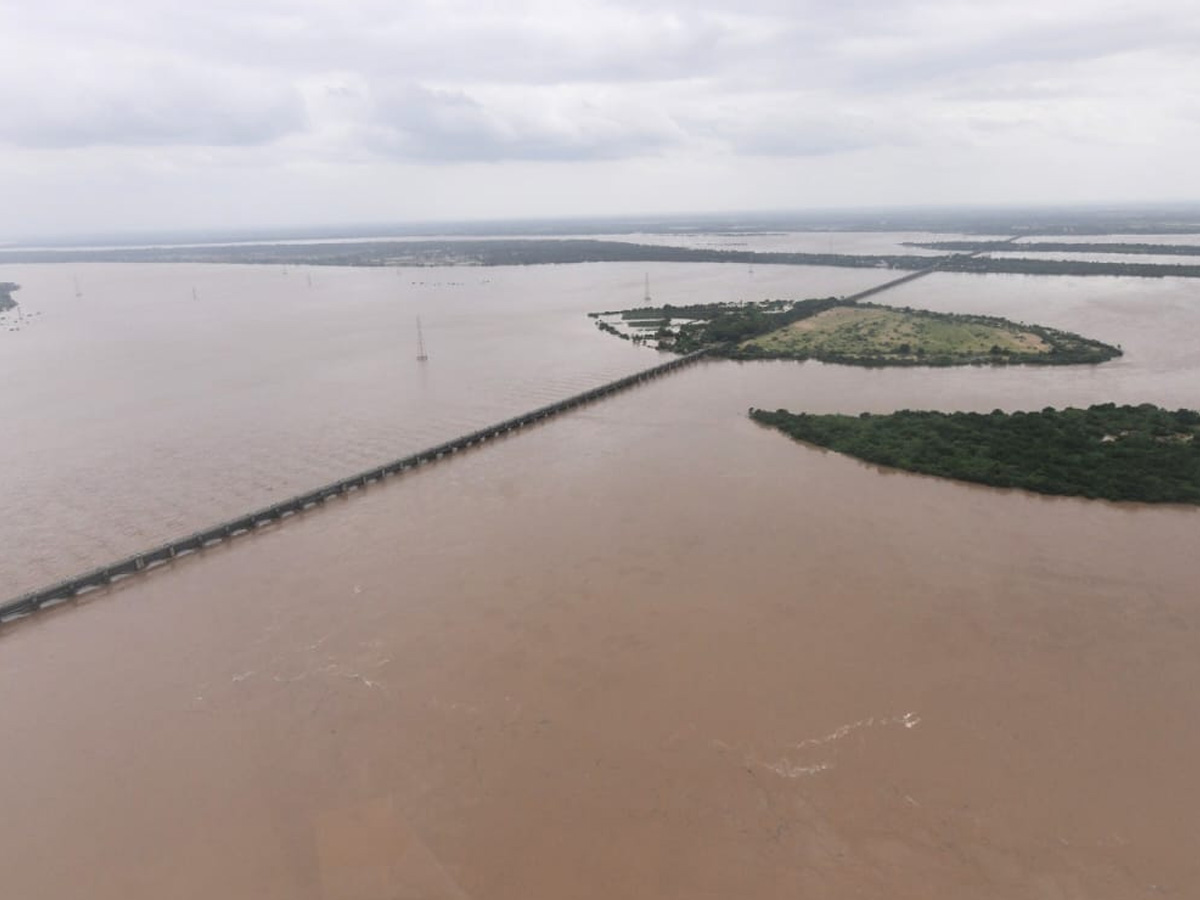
[(1142, 453), (1059, 247)]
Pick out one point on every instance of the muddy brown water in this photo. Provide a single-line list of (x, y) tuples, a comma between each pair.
[(649, 649)]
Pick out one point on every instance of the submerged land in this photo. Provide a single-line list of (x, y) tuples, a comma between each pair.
[(6, 295), (1141, 453), (852, 332)]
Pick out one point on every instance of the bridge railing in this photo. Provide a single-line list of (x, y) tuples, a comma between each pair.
[(164, 553)]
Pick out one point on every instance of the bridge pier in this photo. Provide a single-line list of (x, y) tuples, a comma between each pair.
[(98, 578)]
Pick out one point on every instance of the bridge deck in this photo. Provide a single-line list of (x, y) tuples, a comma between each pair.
[(106, 575), (163, 553)]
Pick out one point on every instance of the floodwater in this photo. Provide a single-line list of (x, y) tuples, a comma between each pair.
[(648, 649), (167, 398)]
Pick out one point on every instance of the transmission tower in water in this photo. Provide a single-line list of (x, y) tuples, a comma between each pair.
[(422, 356)]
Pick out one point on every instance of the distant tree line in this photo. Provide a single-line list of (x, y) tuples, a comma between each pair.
[(1142, 453), (1059, 247), (482, 252), (537, 251), (1023, 266)]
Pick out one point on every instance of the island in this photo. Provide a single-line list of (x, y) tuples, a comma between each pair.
[(851, 332), (6, 299), (1141, 453)]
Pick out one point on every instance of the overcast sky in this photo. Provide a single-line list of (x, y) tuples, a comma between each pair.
[(134, 114)]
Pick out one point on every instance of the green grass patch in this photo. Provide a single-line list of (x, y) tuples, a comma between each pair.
[(867, 334)]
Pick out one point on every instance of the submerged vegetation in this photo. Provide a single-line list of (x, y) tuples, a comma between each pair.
[(856, 333), (1142, 453), (726, 326), (6, 299)]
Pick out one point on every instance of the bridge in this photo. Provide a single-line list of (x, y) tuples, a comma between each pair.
[(938, 263), (225, 531), (165, 553)]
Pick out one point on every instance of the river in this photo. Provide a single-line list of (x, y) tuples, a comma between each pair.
[(648, 649)]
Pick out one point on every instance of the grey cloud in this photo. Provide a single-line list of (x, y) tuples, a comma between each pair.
[(684, 98), (145, 105), (795, 126), (1021, 92), (418, 123), (982, 58), (439, 42), (618, 41), (806, 139)]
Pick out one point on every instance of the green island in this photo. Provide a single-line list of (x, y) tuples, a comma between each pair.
[(6, 299), (852, 332), (1110, 452)]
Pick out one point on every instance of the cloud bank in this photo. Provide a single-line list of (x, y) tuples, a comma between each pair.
[(315, 110)]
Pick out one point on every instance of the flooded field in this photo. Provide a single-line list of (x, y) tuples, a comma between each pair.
[(646, 650)]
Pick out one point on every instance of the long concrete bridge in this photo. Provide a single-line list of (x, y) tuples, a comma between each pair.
[(921, 273), (895, 282), (165, 553)]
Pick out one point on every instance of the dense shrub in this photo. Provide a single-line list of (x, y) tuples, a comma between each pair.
[(1107, 451)]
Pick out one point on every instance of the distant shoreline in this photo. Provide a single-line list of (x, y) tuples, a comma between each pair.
[(562, 251)]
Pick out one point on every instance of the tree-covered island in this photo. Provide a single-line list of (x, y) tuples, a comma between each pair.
[(1141, 453), (852, 332), (6, 299)]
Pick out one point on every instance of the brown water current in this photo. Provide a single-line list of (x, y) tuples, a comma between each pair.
[(167, 398), (648, 649)]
